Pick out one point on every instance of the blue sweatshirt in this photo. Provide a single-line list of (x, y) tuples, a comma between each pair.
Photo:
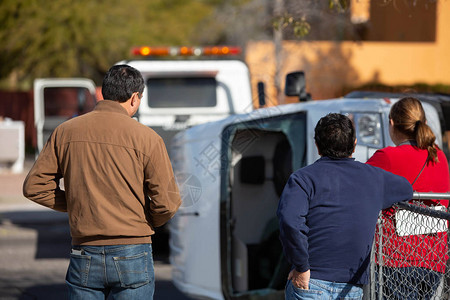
[(327, 215)]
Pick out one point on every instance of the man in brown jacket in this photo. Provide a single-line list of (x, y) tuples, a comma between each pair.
[(118, 186)]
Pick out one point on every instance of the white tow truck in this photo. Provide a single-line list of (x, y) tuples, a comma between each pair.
[(224, 238), (184, 86)]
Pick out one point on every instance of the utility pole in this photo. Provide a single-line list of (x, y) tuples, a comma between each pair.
[(278, 11)]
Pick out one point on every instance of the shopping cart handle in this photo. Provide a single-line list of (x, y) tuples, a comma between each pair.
[(430, 196)]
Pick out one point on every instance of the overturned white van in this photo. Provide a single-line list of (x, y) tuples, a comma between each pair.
[(224, 239)]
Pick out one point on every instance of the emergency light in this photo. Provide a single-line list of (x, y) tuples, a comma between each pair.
[(186, 51)]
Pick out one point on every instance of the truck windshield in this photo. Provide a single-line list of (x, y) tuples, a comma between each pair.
[(181, 92)]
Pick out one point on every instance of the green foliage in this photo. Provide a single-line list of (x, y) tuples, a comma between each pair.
[(339, 6), (300, 17), (170, 22), (66, 38), (300, 27)]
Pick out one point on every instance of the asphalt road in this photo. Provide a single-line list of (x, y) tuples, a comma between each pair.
[(34, 247)]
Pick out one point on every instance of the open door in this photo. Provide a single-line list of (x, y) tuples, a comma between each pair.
[(261, 155), (57, 100)]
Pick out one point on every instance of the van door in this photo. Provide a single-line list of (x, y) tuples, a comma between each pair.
[(57, 100), (258, 158)]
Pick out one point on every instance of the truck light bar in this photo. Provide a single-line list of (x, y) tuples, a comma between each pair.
[(186, 51)]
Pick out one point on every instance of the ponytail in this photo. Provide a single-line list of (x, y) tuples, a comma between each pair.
[(425, 139), (409, 118)]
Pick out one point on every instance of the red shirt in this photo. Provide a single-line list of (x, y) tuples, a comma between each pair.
[(429, 250)]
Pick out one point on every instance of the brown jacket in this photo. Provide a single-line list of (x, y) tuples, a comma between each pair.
[(111, 165)]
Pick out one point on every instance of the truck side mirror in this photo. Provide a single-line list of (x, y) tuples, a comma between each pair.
[(296, 86)]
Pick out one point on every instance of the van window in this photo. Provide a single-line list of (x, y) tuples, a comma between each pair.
[(181, 92)]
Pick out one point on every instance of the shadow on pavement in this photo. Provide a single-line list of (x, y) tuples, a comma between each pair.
[(52, 228), (45, 292)]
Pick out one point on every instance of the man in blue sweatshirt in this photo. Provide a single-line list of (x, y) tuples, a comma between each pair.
[(328, 212)]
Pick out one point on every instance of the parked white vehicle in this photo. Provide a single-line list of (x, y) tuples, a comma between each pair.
[(224, 239)]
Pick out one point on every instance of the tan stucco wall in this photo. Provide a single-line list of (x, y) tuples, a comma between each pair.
[(331, 66)]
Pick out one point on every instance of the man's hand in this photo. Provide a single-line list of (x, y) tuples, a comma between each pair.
[(300, 280)]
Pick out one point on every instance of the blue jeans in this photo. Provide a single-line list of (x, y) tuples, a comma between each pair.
[(123, 271), (321, 290)]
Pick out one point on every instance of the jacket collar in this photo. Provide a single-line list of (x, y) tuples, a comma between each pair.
[(326, 158), (110, 106)]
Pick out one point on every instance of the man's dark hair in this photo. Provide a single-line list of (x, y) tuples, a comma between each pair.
[(121, 82), (335, 136)]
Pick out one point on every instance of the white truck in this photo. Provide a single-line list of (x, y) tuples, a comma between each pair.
[(57, 100), (224, 238), (184, 87)]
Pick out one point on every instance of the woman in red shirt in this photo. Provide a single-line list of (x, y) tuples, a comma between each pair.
[(413, 263)]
